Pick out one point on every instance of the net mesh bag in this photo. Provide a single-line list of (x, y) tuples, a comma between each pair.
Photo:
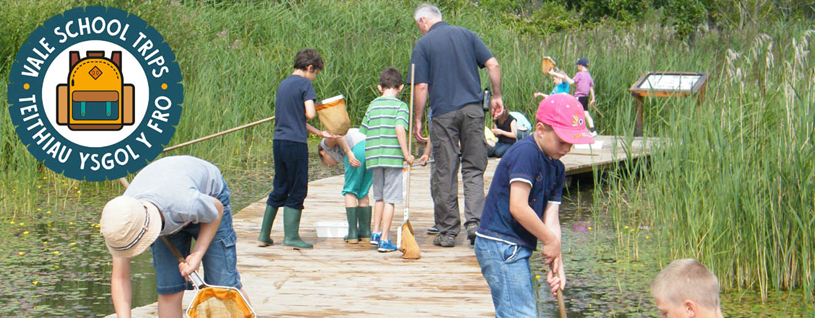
[(333, 115), (212, 302), (547, 64)]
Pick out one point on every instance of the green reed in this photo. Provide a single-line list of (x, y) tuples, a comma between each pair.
[(732, 183), (233, 56)]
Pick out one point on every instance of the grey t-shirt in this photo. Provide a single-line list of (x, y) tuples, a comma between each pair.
[(353, 137), (181, 187)]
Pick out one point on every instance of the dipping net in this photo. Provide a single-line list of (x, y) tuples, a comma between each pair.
[(225, 302)]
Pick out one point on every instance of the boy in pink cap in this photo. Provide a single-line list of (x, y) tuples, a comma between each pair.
[(522, 208)]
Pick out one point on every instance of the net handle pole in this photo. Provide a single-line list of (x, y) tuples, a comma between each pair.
[(126, 184), (196, 280), (410, 139), (218, 134)]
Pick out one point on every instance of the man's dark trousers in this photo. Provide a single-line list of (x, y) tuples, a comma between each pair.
[(465, 125)]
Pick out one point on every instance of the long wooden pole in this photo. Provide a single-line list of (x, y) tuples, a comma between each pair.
[(561, 304), (410, 137), (218, 134), (124, 182)]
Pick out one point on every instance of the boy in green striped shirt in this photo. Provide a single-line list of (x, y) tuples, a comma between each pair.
[(386, 146)]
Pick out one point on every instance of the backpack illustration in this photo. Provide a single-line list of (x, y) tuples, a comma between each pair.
[(95, 96)]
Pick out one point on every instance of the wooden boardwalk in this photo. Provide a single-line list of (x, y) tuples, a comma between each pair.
[(336, 279)]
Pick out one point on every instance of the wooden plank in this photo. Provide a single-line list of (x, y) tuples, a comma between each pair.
[(353, 280)]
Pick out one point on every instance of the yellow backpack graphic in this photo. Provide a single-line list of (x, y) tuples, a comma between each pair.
[(95, 97)]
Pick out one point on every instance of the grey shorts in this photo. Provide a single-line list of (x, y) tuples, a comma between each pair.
[(388, 185)]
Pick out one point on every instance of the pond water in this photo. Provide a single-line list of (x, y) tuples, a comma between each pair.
[(50, 266), (602, 281), (55, 264), (56, 268)]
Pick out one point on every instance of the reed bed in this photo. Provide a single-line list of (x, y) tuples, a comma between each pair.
[(733, 183)]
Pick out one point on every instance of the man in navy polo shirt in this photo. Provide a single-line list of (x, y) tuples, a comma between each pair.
[(447, 60)]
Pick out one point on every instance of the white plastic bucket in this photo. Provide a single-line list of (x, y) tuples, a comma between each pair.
[(331, 228), (598, 144)]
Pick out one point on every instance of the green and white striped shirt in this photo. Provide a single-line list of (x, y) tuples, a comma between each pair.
[(382, 148)]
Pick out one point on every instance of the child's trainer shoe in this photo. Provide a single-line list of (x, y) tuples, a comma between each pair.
[(375, 238), (386, 246)]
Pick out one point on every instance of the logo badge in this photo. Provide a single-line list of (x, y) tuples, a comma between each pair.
[(95, 93), (95, 72), (576, 121)]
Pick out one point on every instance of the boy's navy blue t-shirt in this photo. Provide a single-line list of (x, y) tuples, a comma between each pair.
[(523, 162), (290, 110), (447, 58)]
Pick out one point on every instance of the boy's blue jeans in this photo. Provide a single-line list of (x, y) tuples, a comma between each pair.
[(219, 261), (506, 269)]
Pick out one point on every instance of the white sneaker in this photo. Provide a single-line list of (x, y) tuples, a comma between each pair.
[(594, 134)]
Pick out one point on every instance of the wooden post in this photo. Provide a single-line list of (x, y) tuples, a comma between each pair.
[(638, 126), (640, 91)]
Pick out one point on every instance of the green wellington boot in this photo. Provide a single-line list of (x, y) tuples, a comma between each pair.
[(291, 230), (266, 227), (353, 235), (364, 218)]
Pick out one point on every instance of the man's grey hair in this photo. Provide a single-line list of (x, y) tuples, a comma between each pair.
[(427, 11)]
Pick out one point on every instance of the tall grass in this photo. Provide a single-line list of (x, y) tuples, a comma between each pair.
[(233, 56), (733, 185)]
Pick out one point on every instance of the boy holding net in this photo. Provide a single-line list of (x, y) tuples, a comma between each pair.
[(385, 125), (183, 198), (522, 208), (562, 83), (294, 105)]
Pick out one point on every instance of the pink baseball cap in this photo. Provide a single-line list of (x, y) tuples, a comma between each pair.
[(565, 114)]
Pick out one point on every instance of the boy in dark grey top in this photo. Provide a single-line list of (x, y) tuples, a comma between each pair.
[(182, 188), (182, 198)]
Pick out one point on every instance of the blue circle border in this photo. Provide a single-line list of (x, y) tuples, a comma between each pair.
[(71, 168)]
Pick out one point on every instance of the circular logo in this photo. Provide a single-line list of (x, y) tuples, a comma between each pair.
[(95, 93)]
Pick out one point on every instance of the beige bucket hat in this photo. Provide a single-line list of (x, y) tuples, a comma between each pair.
[(129, 226)]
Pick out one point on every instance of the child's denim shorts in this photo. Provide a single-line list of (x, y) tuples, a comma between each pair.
[(219, 262)]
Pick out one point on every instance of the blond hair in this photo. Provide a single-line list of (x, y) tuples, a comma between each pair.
[(687, 279)]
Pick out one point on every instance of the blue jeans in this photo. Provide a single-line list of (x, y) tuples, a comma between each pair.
[(219, 261), (506, 269), (499, 150)]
